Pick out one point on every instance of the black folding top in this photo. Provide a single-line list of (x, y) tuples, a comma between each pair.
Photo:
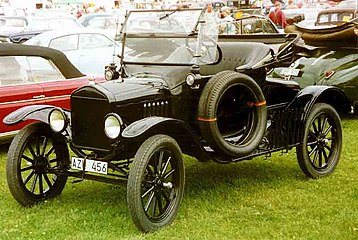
[(55, 56)]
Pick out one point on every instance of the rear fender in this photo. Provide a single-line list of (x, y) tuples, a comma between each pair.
[(311, 95), (177, 129), (34, 112)]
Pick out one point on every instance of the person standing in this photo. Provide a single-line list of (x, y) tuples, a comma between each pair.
[(211, 21), (277, 16), (226, 22)]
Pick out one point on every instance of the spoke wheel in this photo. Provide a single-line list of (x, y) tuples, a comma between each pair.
[(35, 158), (319, 153), (156, 183)]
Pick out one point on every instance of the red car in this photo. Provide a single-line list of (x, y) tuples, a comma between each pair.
[(34, 75)]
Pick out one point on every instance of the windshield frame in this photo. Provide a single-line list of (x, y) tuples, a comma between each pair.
[(190, 34)]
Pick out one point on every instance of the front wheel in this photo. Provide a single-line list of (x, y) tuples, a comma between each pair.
[(35, 158), (319, 153), (156, 183)]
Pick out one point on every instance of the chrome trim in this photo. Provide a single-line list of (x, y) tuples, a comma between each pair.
[(36, 99)]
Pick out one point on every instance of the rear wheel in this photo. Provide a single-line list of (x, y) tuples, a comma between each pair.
[(156, 183), (319, 153), (35, 158)]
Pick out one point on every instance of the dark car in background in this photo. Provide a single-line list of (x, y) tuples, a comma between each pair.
[(326, 67), (34, 75)]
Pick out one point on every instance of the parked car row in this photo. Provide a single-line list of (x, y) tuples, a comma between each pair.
[(21, 29)]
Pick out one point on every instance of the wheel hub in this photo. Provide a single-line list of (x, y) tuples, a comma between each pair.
[(322, 142), (40, 164)]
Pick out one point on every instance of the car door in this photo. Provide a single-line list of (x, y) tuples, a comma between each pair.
[(17, 89), (96, 51), (56, 88)]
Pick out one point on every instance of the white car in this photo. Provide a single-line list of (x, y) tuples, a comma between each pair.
[(89, 50)]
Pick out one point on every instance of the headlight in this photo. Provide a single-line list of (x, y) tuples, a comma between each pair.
[(57, 120), (112, 125), (190, 79), (110, 72)]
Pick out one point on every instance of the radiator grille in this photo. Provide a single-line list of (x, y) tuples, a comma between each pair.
[(88, 122)]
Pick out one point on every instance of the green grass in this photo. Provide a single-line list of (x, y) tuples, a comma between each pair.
[(257, 199)]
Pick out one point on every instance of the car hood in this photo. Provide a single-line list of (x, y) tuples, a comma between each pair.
[(116, 91), (12, 32)]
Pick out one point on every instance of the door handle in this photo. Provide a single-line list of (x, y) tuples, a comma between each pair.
[(38, 96)]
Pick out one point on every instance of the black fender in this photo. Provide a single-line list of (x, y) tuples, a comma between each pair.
[(187, 139), (311, 95), (33, 112)]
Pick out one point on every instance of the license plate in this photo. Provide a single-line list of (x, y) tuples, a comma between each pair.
[(91, 165), (290, 72)]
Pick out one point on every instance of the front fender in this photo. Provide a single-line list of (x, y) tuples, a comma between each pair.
[(187, 139), (311, 95), (34, 112)]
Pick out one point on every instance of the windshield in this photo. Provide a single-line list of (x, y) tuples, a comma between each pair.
[(168, 37)]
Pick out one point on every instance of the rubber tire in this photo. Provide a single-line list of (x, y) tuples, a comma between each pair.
[(134, 186), (13, 164), (208, 105), (302, 151)]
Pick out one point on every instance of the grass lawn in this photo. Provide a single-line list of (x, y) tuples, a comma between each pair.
[(257, 199)]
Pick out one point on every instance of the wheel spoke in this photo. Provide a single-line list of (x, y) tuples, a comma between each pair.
[(169, 173), (327, 131), (26, 168), (320, 158), (160, 161), (29, 177), (312, 143), (38, 146), (150, 199), (47, 180), (154, 205), (50, 151), (324, 124), (328, 148), (41, 184), (314, 127), (313, 150), (34, 184), (44, 145), (166, 197), (148, 191), (312, 135), (31, 150), (27, 158), (166, 165), (52, 160), (160, 203), (315, 158), (150, 171), (319, 128), (325, 156)]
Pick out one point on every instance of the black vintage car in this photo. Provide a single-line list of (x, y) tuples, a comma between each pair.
[(174, 92)]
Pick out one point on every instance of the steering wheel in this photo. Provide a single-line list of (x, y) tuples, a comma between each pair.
[(206, 42)]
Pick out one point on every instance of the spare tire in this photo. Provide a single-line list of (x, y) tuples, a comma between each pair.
[(232, 114)]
